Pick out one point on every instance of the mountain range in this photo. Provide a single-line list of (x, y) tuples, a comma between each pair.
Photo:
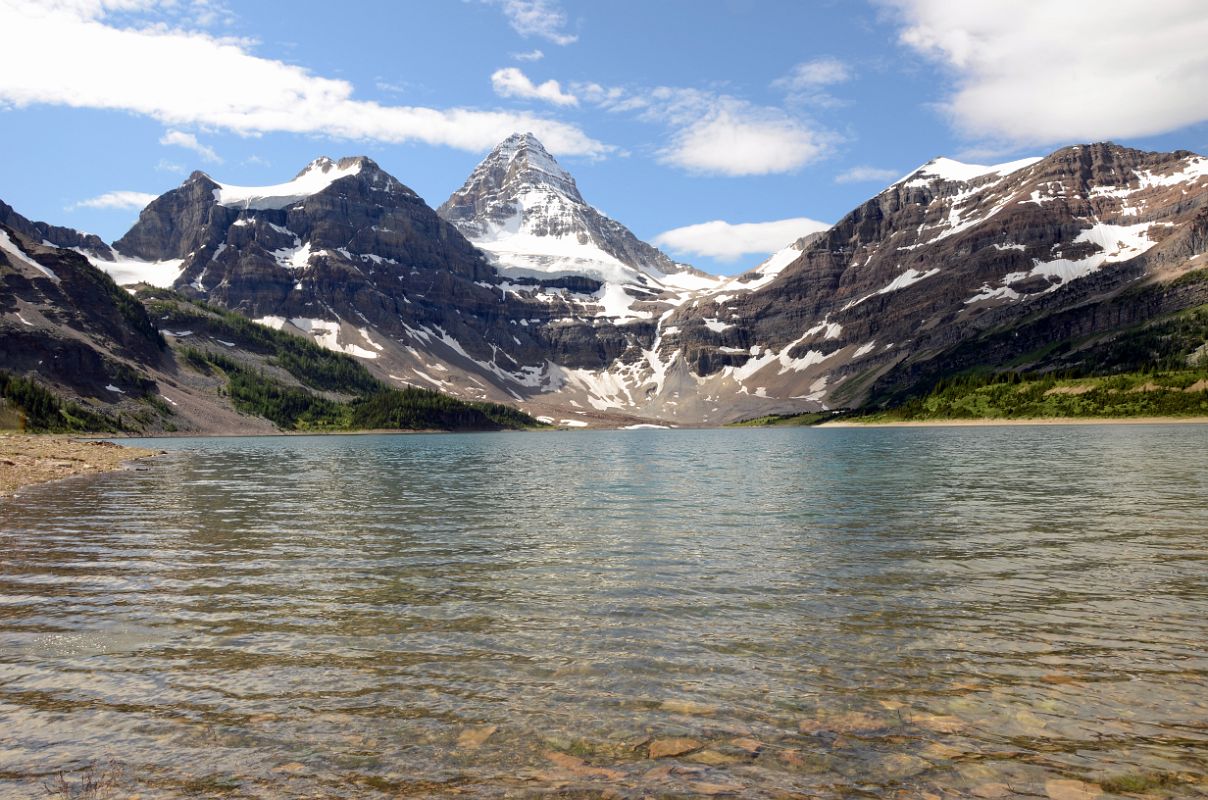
[(516, 290)]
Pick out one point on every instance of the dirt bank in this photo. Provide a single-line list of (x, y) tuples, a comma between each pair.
[(26, 460)]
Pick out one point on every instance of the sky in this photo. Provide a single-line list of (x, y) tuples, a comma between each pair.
[(720, 130)]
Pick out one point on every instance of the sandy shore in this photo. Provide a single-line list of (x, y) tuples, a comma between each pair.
[(980, 423), (26, 460)]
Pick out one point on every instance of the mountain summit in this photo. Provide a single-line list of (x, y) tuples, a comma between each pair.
[(521, 207)]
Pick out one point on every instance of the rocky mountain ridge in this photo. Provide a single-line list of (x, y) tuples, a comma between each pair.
[(585, 324), (953, 251), (346, 254), (80, 353)]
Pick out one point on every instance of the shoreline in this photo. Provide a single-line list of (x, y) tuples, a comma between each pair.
[(33, 459), (989, 423), (930, 423)]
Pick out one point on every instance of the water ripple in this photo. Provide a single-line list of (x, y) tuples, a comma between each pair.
[(824, 613)]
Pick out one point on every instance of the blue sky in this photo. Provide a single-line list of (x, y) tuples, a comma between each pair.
[(760, 114)]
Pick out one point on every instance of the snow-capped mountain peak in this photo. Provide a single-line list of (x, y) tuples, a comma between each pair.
[(526, 161), (525, 210)]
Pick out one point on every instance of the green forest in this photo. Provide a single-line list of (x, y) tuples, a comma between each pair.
[(296, 409)]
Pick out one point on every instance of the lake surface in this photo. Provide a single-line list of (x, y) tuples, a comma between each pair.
[(951, 612)]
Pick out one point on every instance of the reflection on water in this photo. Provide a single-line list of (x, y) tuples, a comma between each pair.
[(829, 613)]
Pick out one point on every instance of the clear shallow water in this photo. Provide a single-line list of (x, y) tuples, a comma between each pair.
[(831, 613)]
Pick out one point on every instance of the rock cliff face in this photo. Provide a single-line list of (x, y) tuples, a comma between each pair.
[(566, 312), (350, 256), (68, 323), (55, 235), (944, 255)]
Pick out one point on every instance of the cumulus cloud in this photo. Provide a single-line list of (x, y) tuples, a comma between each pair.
[(189, 142), (542, 18), (718, 134), (118, 199), (866, 174), (511, 82), (736, 140), (1048, 72), (64, 53), (727, 241)]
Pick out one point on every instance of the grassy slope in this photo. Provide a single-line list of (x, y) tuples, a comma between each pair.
[(1159, 369), (1180, 393), (335, 391), (785, 420), (332, 391)]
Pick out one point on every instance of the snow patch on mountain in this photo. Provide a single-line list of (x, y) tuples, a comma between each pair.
[(317, 176), (13, 251), (127, 271), (1115, 242), (947, 169)]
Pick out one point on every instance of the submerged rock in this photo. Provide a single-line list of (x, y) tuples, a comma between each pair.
[(672, 746), (687, 707), (580, 768), (474, 738), (1071, 790)]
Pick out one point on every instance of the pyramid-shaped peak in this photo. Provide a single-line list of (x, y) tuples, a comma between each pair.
[(518, 141), (514, 167), (524, 208), (525, 159)]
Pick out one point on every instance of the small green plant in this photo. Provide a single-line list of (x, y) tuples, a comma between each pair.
[(298, 408), (1138, 782)]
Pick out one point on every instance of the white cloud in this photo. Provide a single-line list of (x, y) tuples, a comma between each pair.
[(810, 75), (1050, 72), (65, 54), (531, 55), (511, 82), (718, 134), (165, 165), (728, 241), (118, 199), (189, 142), (736, 138), (866, 174), (542, 18)]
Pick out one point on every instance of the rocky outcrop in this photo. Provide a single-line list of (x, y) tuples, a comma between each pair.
[(942, 256), (58, 236), (68, 323)]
